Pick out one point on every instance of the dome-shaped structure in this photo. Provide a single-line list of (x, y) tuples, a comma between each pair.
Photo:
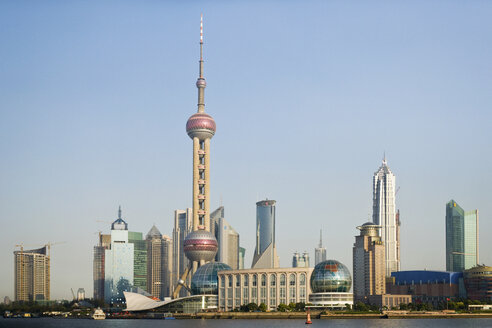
[(205, 279), (200, 245), (200, 125), (330, 277)]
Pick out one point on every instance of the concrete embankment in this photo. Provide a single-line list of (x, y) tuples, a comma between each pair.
[(302, 315)]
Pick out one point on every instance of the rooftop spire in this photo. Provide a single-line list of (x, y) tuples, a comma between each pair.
[(200, 83), (320, 238), (384, 158), (119, 212)]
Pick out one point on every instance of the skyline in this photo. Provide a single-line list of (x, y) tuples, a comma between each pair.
[(93, 113)]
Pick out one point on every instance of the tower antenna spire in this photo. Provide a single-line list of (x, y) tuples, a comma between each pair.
[(200, 83), (320, 238), (119, 212)]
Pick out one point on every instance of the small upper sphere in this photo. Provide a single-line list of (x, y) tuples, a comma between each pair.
[(201, 83), (330, 277), (205, 279), (200, 125)]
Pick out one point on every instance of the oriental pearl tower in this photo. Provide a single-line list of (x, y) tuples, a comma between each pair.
[(200, 246)]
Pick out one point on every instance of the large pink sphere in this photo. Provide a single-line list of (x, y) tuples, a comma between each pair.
[(200, 245), (200, 125)]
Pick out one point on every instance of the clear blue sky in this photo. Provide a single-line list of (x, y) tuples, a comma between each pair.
[(94, 97)]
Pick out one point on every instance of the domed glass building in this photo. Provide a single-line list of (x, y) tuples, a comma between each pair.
[(330, 276), (205, 281), (330, 283)]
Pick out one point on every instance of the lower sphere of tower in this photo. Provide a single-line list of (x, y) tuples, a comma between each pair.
[(200, 245)]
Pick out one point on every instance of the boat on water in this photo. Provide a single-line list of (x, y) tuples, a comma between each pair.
[(99, 314)]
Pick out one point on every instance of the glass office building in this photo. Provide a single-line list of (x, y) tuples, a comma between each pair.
[(139, 259), (461, 238)]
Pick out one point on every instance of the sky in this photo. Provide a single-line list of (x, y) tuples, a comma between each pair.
[(307, 97)]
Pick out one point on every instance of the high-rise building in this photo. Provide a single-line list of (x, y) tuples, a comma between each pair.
[(118, 263), (242, 253), (159, 264), (461, 238), (227, 238), (265, 255), (99, 265), (300, 261), (139, 259), (80, 294), (200, 246), (320, 251), (369, 263), (32, 274), (384, 214), (183, 225)]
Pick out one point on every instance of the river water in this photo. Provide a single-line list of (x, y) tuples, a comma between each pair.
[(238, 323)]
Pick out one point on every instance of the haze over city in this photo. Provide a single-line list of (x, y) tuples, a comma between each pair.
[(94, 98)]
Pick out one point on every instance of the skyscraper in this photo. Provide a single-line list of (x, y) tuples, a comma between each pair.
[(32, 275), (461, 238), (119, 263), (183, 225), (227, 238), (159, 264), (369, 263), (139, 259), (99, 265), (384, 215), (265, 255), (200, 246), (320, 251)]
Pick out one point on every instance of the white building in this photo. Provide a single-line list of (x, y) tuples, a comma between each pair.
[(118, 266), (320, 251), (272, 287), (384, 214), (183, 225)]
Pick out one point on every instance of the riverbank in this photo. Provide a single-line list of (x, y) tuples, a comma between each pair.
[(302, 315)]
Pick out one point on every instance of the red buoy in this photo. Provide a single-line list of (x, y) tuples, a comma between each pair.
[(308, 317)]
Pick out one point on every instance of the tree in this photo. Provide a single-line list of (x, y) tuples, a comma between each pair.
[(262, 307), (282, 307), (292, 306), (252, 307)]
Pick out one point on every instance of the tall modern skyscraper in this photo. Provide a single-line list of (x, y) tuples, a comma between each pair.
[(200, 246), (384, 214), (461, 238), (159, 264), (265, 255), (227, 238), (99, 265), (32, 275), (119, 263), (183, 225), (320, 251), (139, 259), (369, 263)]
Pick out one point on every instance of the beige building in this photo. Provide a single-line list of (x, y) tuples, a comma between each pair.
[(368, 263), (270, 286), (159, 264), (32, 275), (227, 238)]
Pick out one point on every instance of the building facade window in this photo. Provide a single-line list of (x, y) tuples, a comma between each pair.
[(283, 293), (292, 288), (302, 288)]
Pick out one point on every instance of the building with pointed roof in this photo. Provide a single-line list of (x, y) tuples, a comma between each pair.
[(159, 264), (320, 251), (384, 214)]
